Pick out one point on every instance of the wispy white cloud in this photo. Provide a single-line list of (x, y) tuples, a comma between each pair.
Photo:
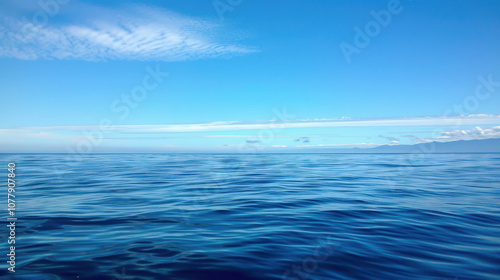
[(392, 140), (476, 133), (235, 126), (130, 33)]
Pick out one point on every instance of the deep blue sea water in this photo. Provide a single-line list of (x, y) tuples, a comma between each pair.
[(261, 216)]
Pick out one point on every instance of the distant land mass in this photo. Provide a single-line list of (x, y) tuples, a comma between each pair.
[(461, 146)]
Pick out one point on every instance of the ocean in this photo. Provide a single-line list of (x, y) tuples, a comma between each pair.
[(254, 216)]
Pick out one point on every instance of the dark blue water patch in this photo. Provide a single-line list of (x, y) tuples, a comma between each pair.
[(278, 216)]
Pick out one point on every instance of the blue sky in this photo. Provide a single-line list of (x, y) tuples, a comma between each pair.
[(221, 75)]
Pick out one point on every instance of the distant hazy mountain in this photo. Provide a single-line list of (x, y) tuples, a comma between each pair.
[(471, 146)]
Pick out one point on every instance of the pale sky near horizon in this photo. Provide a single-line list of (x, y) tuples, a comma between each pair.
[(218, 75)]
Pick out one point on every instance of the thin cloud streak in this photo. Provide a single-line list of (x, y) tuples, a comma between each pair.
[(235, 126), (229, 136)]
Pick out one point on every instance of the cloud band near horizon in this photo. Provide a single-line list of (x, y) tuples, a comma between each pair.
[(236, 125)]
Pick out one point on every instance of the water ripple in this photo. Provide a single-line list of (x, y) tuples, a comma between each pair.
[(246, 217)]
